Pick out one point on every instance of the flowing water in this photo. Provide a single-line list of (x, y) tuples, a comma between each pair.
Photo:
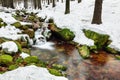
[(101, 66)]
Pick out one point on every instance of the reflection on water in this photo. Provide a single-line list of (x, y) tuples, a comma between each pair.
[(101, 66)]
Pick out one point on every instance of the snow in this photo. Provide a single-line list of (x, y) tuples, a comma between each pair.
[(30, 73), (24, 55), (9, 47)]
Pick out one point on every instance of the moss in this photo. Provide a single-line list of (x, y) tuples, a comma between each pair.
[(100, 40), (111, 50), (19, 60), (12, 67), (51, 20), (6, 59), (2, 40), (1, 20), (84, 51), (17, 24), (31, 59), (19, 46), (29, 32), (66, 34), (59, 67), (55, 72)]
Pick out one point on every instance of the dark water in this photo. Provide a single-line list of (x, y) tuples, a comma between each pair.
[(101, 66)]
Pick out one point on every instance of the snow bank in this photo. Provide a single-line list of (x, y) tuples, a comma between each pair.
[(30, 73), (24, 55)]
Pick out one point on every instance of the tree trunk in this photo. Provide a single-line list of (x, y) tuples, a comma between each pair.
[(25, 4), (35, 4), (97, 12), (39, 4), (67, 7), (79, 1), (53, 5), (48, 2)]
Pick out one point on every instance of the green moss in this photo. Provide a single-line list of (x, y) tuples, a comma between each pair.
[(17, 24), (100, 40), (19, 46), (59, 67), (111, 50), (19, 60), (31, 59), (55, 72), (84, 51), (66, 34), (1, 20), (12, 67), (6, 59), (29, 32)]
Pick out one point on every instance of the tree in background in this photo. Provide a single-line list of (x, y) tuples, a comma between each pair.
[(53, 3), (35, 3), (67, 7), (39, 4), (79, 1), (97, 12), (25, 4)]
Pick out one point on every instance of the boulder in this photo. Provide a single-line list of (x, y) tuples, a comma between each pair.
[(6, 59), (100, 40), (83, 51), (62, 34)]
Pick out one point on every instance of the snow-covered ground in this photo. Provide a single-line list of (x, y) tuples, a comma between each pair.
[(79, 18)]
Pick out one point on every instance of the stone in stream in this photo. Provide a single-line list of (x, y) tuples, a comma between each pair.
[(83, 51)]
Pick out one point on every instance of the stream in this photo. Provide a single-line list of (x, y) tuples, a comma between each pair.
[(101, 66)]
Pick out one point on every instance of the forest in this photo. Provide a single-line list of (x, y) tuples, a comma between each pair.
[(59, 40)]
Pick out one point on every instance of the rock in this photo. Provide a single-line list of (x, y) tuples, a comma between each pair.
[(100, 40), (62, 34), (29, 32), (66, 34), (31, 59), (17, 24), (83, 51), (6, 59)]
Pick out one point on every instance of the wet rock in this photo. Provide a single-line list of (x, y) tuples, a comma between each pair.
[(6, 59), (83, 51)]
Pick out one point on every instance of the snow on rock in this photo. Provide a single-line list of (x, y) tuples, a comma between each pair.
[(24, 55), (30, 73), (9, 47), (7, 17)]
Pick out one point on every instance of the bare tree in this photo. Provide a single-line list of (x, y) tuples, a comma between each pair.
[(79, 1), (97, 12), (53, 1), (39, 4)]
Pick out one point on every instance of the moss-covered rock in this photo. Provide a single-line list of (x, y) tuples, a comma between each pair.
[(55, 72), (84, 51), (30, 32), (6, 59), (66, 34), (100, 40), (31, 59), (51, 20), (17, 24), (2, 40), (1, 20)]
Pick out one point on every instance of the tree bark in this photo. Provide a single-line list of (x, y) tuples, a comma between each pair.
[(79, 1), (53, 5), (97, 16), (67, 7)]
